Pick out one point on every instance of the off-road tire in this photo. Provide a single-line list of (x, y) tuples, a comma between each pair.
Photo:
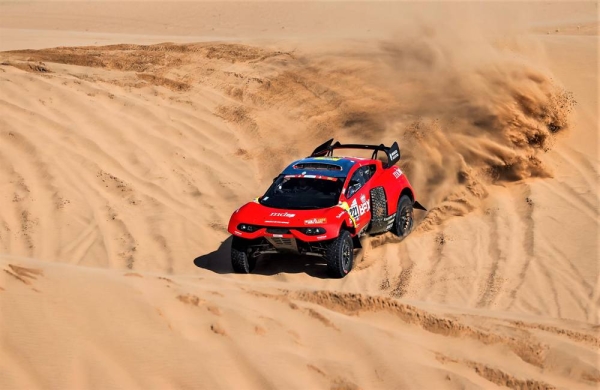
[(241, 260), (403, 223), (340, 255)]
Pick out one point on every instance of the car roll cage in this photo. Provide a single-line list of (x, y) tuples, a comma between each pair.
[(392, 152)]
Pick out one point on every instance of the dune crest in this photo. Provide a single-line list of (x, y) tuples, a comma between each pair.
[(132, 131)]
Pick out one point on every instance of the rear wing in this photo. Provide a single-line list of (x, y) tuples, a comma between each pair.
[(392, 152)]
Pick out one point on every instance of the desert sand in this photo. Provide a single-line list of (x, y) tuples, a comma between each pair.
[(129, 133)]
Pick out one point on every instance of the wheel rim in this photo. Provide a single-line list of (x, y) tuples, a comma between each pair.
[(346, 255), (406, 219)]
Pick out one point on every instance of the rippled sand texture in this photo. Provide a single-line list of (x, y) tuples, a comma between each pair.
[(122, 158)]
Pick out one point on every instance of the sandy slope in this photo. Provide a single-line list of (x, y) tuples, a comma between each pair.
[(120, 165), (147, 330)]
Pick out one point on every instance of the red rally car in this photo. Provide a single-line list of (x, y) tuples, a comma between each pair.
[(321, 205)]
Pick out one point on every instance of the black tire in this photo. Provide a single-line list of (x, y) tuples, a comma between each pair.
[(241, 260), (403, 223), (340, 255)]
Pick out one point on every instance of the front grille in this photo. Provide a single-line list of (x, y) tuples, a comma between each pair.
[(273, 230)]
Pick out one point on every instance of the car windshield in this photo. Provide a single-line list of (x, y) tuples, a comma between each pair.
[(302, 193)]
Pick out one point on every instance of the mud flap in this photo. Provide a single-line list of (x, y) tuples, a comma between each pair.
[(419, 206)]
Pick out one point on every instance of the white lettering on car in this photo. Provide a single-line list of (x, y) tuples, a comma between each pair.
[(363, 208), (397, 173), (357, 210), (285, 215), (282, 222), (354, 210)]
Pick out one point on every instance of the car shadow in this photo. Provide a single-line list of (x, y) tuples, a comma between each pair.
[(274, 264), (219, 261)]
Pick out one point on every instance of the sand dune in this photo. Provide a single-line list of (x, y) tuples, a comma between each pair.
[(121, 164), (187, 331)]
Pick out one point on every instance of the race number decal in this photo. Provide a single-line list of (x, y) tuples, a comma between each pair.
[(354, 211), (359, 209)]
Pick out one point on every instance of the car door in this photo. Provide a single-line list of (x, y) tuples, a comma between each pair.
[(358, 196)]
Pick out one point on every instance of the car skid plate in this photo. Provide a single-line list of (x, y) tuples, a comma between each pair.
[(283, 244)]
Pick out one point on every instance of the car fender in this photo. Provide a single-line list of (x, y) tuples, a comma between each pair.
[(396, 184), (347, 221)]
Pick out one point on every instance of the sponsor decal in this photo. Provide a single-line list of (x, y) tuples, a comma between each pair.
[(321, 237), (394, 154), (328, 158), (236, 232), (340, 215), (282, 222), (364, 207), (277, 235), (315, 221), (359, 209), (397, 173), (284, 215)]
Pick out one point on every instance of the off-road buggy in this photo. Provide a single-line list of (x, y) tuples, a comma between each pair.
[(322, 204)]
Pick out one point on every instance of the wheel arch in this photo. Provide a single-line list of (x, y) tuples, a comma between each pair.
[(352, 230), (344, 226), (408, 192)]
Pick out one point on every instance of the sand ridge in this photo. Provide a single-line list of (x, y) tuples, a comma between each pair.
[(120, 164)]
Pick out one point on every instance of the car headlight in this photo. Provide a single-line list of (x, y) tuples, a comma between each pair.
[(247, 227), (312, 231)]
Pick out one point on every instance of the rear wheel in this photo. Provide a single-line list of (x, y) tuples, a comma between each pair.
[(241, 259), (340, 255), (403, 223)]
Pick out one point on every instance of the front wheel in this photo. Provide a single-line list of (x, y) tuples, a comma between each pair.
[(403, 223), (340, 255), (241, 260)]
